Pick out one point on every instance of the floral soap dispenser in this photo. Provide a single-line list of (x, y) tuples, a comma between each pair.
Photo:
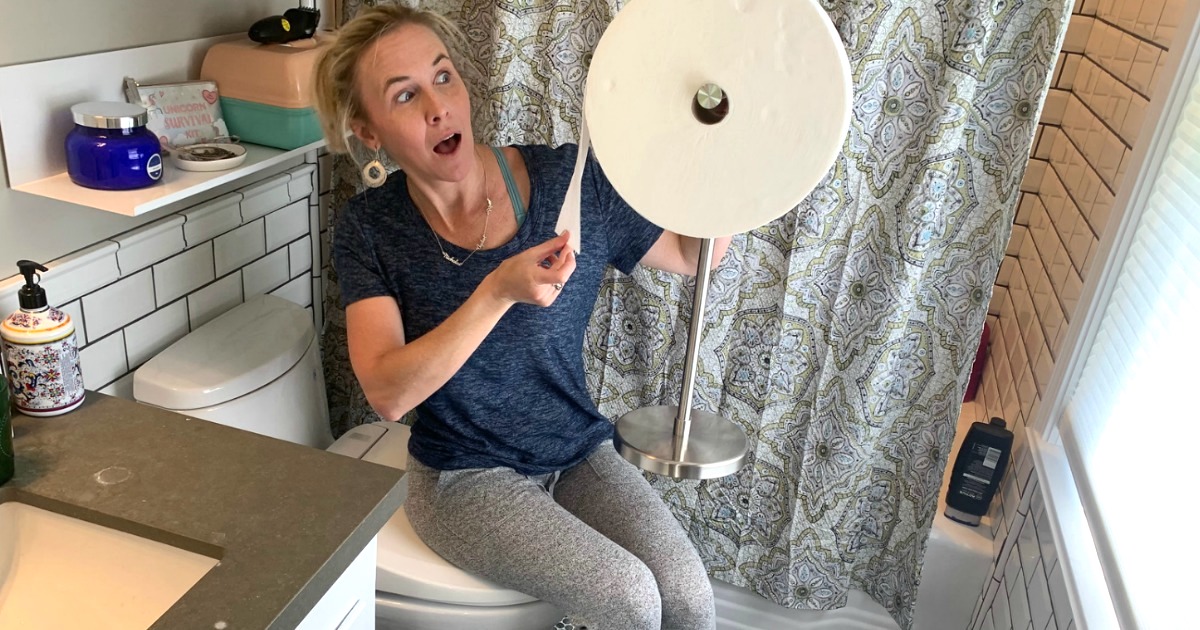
[(40, 352)]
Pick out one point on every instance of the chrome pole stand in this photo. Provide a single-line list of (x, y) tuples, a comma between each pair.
[(699, 445)]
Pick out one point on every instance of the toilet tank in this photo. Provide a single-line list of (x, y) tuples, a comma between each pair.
[(257, 367)]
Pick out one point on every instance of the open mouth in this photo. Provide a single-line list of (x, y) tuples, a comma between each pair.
[(449, 145)]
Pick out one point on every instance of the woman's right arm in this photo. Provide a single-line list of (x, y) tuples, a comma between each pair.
[(397, 376)]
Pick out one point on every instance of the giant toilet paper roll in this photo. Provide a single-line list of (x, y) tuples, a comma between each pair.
[(785, 78), (711, 117)]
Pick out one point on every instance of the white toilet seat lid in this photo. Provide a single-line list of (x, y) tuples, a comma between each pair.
[(406, 566), (240, 351)]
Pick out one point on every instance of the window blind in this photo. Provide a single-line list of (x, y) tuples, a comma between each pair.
[(1131, 427)]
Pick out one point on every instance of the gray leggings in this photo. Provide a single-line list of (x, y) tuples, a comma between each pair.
[(595, 540)]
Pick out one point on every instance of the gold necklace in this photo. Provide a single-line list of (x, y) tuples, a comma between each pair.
[(482, 237)]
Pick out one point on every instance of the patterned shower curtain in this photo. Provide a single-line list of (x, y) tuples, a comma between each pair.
[(838, 337)]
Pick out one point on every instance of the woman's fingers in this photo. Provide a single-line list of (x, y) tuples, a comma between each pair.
[(565, 258), (549, 280), (547, 253), (554, 262), (559, 271)]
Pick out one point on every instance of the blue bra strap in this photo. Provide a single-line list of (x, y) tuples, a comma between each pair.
[(514, 194)]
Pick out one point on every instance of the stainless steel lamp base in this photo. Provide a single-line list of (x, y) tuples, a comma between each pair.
[(713, 447)]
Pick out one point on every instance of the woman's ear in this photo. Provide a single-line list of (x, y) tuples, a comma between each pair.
[(365, 134)]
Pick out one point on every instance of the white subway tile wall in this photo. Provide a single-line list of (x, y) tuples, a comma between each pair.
[(265, 274), (209, 220), (298, 291), (1103, 83), (300, 182), (1026, 588), (153, 333), (287, 225), (118, 304), (237, 248), (81, 273), (300, 256), (179, 275), (264, 197), (214, 299), (133, 295), (104, 361), (75, 310), (149, 244)]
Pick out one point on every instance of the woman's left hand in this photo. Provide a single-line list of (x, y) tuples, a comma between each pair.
[(536, 275)]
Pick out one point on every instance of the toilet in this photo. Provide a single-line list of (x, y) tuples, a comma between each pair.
[(257, 367), (415, 589)]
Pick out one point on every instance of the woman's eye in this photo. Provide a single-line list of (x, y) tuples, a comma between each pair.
[(443, 77), (404, 97)]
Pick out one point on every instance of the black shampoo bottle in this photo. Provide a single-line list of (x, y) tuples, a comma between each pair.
[(978, 470)]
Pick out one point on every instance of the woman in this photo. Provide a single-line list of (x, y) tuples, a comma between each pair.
[(461, 302)]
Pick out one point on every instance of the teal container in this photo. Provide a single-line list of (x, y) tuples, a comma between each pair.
[(8, 461), (280, 127)]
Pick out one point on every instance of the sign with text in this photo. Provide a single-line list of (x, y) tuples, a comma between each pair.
[(180, 114)]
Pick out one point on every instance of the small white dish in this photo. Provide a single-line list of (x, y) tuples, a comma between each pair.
[(208, 156)]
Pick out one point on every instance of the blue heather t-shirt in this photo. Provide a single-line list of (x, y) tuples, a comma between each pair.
[(520, 400)]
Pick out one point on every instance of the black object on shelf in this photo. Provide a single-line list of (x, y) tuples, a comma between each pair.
[(294, 24), (978, 470)]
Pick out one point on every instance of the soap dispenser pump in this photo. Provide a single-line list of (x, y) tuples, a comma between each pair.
[(40, 352)]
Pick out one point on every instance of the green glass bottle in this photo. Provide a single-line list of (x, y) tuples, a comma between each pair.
[(7, 459)]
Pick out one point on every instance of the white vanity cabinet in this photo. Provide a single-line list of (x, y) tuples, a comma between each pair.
[(350, 603)]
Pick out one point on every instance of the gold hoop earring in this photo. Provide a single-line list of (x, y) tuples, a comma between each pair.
[(374, 174)]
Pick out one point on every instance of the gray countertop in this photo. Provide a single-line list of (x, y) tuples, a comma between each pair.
[(284, 520)]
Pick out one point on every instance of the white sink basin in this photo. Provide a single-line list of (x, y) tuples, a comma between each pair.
[(61, 572)]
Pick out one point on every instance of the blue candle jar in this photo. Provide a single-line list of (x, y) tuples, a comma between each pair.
[(110, 147)]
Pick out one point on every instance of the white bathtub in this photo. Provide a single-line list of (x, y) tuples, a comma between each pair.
[(957, 561)]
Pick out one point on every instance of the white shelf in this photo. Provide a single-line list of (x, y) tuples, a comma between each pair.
[(176, 184), (36, 118)]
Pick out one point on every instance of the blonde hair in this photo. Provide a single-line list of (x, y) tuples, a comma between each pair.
[(335, 82)]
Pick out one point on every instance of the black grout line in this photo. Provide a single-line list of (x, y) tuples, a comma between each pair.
[(1044, 161), (1055, 290), (153, 312), (1140, 38), (1060, 69), (187, 310), (82, 323), (106, 336), (1038, 318), (1071, 196), (1002, 265), (1100, 118), (1097, 63), (1057, 236), (110, 383), (153, 287), (1119, 82), (1066, 135), (182, 297)]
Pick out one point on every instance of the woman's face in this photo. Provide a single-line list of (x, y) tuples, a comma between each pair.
[(415, 105)]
